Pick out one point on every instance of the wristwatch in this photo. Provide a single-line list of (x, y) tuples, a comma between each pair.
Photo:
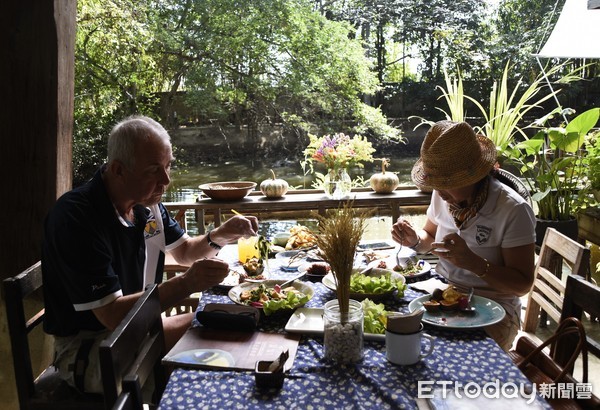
[(212, 244)]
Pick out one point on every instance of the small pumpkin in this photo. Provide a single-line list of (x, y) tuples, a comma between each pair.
[(384, 182), (274, 187)]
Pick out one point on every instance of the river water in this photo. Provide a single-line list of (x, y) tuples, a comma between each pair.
[(185, 181)]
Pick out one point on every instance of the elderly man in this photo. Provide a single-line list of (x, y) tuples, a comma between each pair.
[(105, 241)]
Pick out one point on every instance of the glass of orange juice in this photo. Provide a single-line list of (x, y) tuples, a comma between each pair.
[(247, 248)]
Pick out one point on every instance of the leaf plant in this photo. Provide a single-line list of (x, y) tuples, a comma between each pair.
[(554, 163)]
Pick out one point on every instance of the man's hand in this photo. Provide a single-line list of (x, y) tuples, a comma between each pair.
[(205, 273), (234, 228)]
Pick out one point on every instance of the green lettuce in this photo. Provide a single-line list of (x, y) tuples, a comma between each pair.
[(375, 284), (375, 317), (291, 301)]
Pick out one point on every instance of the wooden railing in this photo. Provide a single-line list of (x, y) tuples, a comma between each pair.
[(297, 201)]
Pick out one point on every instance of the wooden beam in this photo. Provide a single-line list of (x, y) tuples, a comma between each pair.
[(37, 40)]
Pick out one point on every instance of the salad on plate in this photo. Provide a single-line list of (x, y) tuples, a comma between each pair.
[(272, 297)]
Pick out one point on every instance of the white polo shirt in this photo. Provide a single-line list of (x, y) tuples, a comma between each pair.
[(505, 221)]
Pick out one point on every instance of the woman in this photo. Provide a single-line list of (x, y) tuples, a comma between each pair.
[(482, 231)]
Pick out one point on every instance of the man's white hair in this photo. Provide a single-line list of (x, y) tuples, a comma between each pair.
[(125, 136)]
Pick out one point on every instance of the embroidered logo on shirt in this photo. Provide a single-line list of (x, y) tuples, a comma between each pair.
[(98, 287), (151, 228), (483, 234)]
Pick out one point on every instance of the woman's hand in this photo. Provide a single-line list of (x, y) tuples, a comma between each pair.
[(404, 233), (455, 249)]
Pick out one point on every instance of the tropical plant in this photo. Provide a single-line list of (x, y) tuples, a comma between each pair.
[(507, 109), (454, 96), (553, 163), (592, 162)]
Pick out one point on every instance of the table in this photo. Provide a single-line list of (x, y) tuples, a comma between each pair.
[(459, 357), (301, 200)]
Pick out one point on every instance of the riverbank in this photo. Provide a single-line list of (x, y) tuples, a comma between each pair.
[(217, 144)]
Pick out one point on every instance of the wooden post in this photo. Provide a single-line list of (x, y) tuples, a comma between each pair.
[(37, 40)]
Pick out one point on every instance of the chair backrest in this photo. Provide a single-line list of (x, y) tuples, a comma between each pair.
[(548, 289), (135, 347), (16, 290), (47, 389), (131, 395), (513, 182), (582, 296)]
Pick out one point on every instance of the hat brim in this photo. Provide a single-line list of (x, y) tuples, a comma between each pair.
[(460, 179)]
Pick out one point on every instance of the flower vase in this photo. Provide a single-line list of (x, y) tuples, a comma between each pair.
[(337, 184), (343, 333)]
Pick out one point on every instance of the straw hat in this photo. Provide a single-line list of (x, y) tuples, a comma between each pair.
[(452, 156)]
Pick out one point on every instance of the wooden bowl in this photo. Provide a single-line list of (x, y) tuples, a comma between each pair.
[(228, 191)]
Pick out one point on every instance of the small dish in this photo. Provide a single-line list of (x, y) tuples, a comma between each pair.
[(309, 321), (291, 260), (314, 271)]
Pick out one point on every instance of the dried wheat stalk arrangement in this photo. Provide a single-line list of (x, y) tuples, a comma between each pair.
[(339, 234)]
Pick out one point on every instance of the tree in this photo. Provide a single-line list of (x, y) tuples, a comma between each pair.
[(521, 28), (114, 75), (269, 60)]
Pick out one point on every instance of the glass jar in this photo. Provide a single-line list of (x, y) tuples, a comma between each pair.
[(337, 184), (343, 333)]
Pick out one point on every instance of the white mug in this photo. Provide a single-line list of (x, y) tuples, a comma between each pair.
[(405, 348)]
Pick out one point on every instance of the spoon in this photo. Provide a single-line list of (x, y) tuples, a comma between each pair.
[(289, 282), (469, 308), (398, 262)]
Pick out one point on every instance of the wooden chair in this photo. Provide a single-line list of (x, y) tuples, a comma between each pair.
[(582, 296), (135, 348), (45, 390), (544, 368), (515, 183), (189, 304), (172, 268), (131, 395), (548, 289)]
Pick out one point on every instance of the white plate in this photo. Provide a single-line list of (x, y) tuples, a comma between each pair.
[(235, 292), (390, 263), (329, 282), (309, 321), (487, 312), (231, 280)]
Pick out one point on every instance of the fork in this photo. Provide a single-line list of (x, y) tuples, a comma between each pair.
[(399, 250)]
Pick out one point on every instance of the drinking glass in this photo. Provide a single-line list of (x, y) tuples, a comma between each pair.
[(247, 248)]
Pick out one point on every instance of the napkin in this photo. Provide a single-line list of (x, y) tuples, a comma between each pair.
[(429, 285), (405, 323)]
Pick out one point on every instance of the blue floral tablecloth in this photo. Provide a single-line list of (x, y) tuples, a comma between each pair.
[(459, 357)]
